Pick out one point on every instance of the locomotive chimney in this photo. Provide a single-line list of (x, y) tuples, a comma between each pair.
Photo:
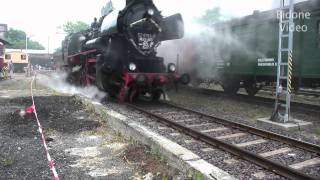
[(129, 1)]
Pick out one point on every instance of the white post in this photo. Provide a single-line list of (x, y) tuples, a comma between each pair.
[(28, 68), (26, 42)]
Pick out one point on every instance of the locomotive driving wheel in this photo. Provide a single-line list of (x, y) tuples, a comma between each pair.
[(133, 93), (123, 94), (74, 78), (156, 94)]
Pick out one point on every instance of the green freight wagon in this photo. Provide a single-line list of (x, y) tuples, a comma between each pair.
[(248, 49)]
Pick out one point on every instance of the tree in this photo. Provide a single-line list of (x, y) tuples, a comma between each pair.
[(17, 39), (211, 16), (57, 50), (78, 26)]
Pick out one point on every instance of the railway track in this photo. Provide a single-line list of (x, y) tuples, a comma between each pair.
[(304, 92), (295, 106), (265, 149)]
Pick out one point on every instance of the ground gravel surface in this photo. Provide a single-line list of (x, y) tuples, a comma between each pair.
[(80, 142)]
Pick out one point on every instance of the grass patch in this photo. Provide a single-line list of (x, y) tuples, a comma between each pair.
[(7, 162), (317, 132), (50, 132), (89, 108), (56, 93), (102, 130), (158, 155), (116, 138)]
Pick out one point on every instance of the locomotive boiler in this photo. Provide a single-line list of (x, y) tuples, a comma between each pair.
[(119, 52)]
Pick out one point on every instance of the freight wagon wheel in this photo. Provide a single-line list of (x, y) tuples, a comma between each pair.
[(252, 91), (231, 87), (195, 83), (102, 80), (231, 90), (251, 88)]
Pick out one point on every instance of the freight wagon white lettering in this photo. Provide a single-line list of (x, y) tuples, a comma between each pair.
[(266, 62)]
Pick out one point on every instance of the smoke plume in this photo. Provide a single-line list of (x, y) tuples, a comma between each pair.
[(212, 45), (57, 81)]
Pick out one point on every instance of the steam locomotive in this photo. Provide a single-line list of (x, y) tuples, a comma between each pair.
[(118, 53)]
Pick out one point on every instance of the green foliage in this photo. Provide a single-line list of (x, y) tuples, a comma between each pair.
[(7, 162), (57, 50), (17, 38), (164, 178), (199, 176), (71, 27), (211, 16)]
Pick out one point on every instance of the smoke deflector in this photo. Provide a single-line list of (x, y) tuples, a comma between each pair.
[(172, 28)]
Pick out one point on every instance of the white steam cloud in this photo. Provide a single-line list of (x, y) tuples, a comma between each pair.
[(57, 81), (205, 43)]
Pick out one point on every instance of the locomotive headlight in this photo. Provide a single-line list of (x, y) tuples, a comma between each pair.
[(151, 12), (172, 68), (132, 66)]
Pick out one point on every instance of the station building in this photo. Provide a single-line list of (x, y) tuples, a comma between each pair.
[(21, 58)]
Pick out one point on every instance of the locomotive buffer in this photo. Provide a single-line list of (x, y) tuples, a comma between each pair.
[(281, 115)]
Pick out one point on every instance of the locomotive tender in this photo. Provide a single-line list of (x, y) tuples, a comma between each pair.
[(249, 59), (118, 53)]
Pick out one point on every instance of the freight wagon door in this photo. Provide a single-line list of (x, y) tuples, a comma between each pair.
[(244, 54), (267, 48), (310, 58)]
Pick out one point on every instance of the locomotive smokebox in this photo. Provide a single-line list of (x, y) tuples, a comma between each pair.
[(76, 41)]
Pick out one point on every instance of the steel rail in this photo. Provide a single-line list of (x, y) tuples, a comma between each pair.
[(297, 106), (300, 92), (277, 168), (259, 132)]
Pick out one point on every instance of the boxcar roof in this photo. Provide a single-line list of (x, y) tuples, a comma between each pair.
[(270, 15)]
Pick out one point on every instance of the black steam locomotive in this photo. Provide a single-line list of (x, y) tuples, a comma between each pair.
[(118, 53)]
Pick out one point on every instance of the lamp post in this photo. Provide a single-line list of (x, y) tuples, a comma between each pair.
[(27, 41)]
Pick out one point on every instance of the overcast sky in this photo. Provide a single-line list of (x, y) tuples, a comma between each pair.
[(40, 18)]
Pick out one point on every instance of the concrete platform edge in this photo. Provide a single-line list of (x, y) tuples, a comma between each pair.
[(176, 155)]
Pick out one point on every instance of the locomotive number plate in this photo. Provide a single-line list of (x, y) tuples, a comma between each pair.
[(146, 41)]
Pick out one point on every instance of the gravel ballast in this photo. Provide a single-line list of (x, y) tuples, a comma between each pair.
[(80, 142)]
